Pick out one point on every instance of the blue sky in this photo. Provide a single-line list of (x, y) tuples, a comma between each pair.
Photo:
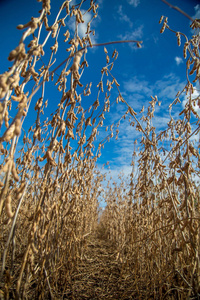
[(155, 69)]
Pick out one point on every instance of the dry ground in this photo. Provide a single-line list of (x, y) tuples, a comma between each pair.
[(100, 275)]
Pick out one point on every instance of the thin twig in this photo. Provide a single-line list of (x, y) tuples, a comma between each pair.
[(94, 45), (179, 10), (11, 231)]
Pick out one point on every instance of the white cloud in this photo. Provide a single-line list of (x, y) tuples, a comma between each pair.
[(133, 35), (137, 33), (135, 85), (135, 3), (168, 87), (194, 96), (197, 12), (115, 172), (139, 90), (82, 27), (71, 4), (160, 122), (178, 60), (123, 17)]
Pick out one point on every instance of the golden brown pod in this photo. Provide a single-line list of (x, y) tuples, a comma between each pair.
[(8, 207)]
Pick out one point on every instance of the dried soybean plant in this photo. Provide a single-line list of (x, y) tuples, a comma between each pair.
[(155, 225), (49, 185)]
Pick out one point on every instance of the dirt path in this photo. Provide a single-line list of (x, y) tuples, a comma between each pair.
[(99, 275)]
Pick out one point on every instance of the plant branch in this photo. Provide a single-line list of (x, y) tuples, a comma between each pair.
[(179, 10)]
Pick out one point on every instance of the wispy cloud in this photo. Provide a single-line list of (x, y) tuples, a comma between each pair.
[(133, 35), (139, 86), (82, 27), (100, 2), (138, 91), (195, 96), (197, 12), (115, 172), (123, 17), (167, 87), (135, 3), (178, 60)]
